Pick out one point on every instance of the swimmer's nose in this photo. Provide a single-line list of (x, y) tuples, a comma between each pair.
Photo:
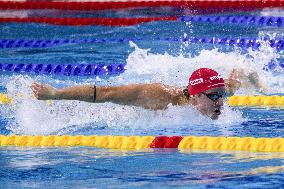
[(219, 102)]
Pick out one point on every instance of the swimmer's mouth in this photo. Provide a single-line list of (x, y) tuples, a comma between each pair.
[(217, 111)]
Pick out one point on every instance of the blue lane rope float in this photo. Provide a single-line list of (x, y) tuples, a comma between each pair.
[(261, 21), (274, 66), (244, 43), (89, 69), (65, 69)]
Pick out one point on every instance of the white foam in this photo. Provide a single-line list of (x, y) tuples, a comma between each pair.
[(37, 117), (272, 12), (144, 66)]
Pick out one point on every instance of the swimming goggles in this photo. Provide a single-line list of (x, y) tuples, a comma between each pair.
[(215, 96)]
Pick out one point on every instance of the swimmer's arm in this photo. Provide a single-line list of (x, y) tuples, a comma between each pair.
[(254, 79), (231, 86), (238, 79), (47, 92), (152, 96)]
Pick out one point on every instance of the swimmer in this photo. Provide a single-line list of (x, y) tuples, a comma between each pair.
[(206, 92)]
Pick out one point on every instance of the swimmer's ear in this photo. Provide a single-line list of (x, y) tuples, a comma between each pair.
[(185, 93)]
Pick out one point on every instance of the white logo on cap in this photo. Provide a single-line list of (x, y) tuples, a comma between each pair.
[(196, 81), (215, 77)]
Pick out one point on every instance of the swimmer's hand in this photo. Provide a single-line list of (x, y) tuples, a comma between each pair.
[(254, 79), (238, 79), (233, 83), (79, 92), (43, 92)]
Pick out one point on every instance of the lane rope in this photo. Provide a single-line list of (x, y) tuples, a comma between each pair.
[(245, 43), (87, 21), (233, 101), (242, 20), (256, 101), (261, 21), (144, 142), (107, 5), (90, 69), (65, 69)]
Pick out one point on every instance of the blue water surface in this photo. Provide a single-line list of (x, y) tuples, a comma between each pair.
[(81, 167)]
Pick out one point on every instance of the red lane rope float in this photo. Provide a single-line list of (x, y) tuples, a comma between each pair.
[(236, 4), (88, 21), (166, 142)]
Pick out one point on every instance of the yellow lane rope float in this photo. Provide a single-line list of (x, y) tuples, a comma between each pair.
[(143, 142), (253, 101), (5, 99), (266, 101)]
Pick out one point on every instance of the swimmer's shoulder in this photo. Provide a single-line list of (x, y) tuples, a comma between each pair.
[(171, 90), (163, 91), (175, 93)]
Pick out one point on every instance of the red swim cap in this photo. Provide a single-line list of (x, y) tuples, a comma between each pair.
[(204, 79)]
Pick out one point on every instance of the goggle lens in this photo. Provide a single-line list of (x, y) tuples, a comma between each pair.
[(215, 96)]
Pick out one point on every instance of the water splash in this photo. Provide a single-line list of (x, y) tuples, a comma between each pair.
[(37, 117), (143, 66)]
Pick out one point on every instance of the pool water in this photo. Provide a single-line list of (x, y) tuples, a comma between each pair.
[(147, 61)]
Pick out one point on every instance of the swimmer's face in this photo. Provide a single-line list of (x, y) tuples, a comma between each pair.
[(210, 107)]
